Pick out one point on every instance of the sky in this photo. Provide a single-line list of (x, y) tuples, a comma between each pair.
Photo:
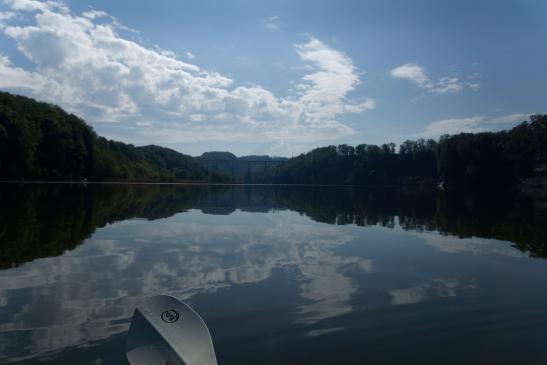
[(279, 77)]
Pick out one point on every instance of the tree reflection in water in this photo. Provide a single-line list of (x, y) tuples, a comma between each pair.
[(47, 220), (257, 241)]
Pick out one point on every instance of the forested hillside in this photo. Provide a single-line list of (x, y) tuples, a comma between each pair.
[(482, 160), (361, 165), (502, 158), (41, 141)]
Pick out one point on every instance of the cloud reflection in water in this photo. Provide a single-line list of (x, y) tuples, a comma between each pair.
[(89, 294), (288, 264)]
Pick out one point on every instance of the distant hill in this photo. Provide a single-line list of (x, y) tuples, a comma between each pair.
[(247, 169), (42, 141), (217, 155)]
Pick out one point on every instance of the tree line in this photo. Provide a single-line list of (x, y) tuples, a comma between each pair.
[(483, 160), (41, 141)]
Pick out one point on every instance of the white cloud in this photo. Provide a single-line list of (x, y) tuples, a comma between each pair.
[(474, 124), (413, 73), (323, 92), (510, 119), (83, 64), (272, 22), (92, 14), (17, 79), (445, 85), (5, 16), (190, 55), (36, 5), (455, 126), (474, 86)]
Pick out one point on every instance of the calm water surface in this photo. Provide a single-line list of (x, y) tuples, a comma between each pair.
[(282, 275)]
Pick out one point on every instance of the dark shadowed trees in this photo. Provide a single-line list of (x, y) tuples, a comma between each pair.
[(41, 141), (472, 161)]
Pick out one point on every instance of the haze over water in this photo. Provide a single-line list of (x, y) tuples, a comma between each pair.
[(281, 275)]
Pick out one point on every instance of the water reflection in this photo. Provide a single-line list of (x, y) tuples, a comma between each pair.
[(92, 290), (436, 287), (47, 220), (242, 253)]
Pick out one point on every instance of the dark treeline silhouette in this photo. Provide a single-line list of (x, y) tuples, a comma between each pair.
[(492, 160), (46, 220), (41, 141), (497, 159), (361, 165)]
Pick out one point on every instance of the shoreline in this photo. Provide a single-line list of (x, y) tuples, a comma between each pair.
[(133, 182), (536, 191)]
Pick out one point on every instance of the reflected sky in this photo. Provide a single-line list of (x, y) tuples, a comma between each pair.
[(277, 286)]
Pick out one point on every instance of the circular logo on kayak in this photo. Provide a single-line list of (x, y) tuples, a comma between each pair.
[(170, 316)]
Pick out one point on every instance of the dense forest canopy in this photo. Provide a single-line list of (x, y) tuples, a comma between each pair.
[(41, 141), (499, 159)]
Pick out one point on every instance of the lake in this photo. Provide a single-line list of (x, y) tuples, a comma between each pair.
[(281, 275)]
